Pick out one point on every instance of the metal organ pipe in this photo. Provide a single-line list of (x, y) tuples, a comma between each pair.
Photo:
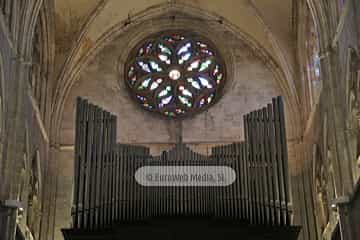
[(105, 190)]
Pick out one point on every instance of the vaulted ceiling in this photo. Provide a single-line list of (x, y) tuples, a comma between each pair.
[(275, 14), (268, 22), (82, 24)]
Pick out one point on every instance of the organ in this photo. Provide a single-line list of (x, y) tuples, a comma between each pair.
[(106, 193)]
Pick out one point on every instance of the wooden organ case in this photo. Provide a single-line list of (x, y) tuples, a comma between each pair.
[(110, 204)]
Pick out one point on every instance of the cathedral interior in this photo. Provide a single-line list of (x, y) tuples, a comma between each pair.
[(179, 73)]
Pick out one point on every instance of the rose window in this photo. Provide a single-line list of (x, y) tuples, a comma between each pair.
[(175, 74)]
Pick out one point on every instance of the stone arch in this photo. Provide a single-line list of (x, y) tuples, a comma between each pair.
[(229, 43), (42, 54), (321, 23), (310, 77), (73, 69), (67, 79), (2, 109), (30, 13)]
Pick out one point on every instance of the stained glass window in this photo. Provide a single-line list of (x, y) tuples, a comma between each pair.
[(175, 73)]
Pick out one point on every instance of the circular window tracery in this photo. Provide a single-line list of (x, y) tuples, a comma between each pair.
[(175, 74)]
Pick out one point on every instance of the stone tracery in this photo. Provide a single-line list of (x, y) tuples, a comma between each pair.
[(175, 74)]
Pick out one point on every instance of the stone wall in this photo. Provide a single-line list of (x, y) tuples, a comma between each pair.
[(251, 85), (329, 148), (37, 160), (25, 172)]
